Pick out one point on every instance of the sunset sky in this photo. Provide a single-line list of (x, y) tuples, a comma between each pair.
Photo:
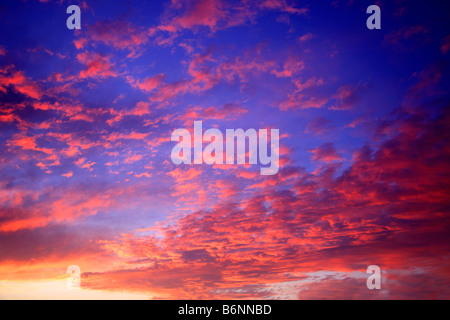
[(86, 118)]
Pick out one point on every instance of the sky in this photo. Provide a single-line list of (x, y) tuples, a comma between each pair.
[(86, 118)]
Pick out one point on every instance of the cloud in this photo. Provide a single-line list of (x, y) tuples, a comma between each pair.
[(87, 177), (17, 79), (348, 96), (28, 143), (283, 6), (291, 67), (426, 86), (302, 97), (148, 84), (119, 34), (319, 126), (407, 37), (229, 111), (326, 153), (196, 13), (305, 37), (445, 47), (325, 222), (97, 66), (214, 15)]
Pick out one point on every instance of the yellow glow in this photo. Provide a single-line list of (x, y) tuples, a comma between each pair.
[(57, 290)]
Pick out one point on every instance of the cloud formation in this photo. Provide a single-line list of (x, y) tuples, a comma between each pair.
[(87, 178)]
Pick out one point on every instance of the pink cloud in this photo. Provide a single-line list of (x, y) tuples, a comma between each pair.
[(348, 96), (119, 34), (318, 126), (148, 84), (17, 79), (215, 15), (229, 111), (97, 66), (305, 37), (205, 13), (326, 153)]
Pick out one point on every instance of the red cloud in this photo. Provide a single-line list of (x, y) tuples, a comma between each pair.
[(148, 84), (348, 96), (27, 143), (300, 99), (97, 66), (118, 34), (229, 111), (17, 79), (215, 15), (282, 5), (327, 222), (197, 13), (291, 67), (229, 233)]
